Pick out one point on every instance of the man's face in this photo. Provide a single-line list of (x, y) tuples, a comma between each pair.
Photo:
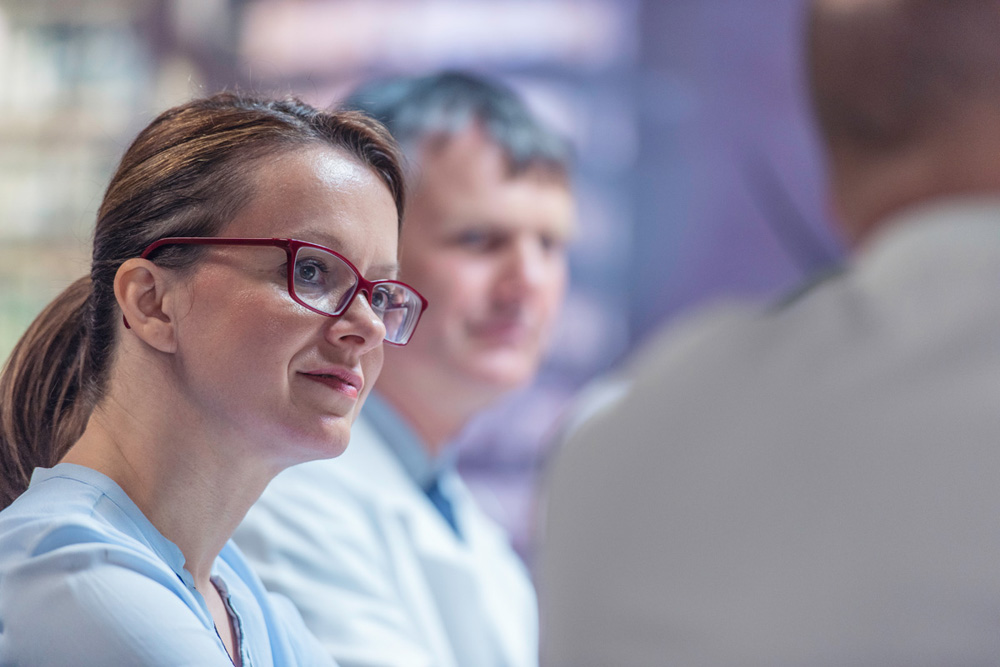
[(488, 252)]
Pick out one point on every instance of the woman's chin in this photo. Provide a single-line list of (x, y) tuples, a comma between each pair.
[(322, 443)]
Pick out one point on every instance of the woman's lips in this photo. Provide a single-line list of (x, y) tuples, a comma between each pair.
[(339, 379)]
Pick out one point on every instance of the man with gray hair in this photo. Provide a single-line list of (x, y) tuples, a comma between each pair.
[(816, 483), (383, 550)]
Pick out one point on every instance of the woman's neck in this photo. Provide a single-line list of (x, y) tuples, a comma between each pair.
[(194, 490)]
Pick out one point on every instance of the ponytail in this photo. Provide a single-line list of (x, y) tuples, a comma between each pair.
[(44, 404)]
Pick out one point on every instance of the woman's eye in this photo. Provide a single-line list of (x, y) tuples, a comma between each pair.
[(309, 272), (380, 300)]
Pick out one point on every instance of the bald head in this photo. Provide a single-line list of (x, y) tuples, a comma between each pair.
[(907, 95)]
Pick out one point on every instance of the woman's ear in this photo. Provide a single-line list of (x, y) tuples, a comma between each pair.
[(141, 288)]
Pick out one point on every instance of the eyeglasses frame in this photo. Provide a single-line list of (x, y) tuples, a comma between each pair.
[(291, 248)]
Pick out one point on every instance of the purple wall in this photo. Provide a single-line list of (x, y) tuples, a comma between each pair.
[(724, 197)]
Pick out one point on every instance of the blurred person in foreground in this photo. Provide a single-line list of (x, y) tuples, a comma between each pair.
[(816, 483), (385, 554)]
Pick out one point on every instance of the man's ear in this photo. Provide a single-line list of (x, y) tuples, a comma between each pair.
[(141, 288)]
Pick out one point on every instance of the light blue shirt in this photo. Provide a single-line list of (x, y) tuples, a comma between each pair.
[(86, 579)]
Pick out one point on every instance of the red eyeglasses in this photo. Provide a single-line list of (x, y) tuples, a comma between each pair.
[(326, 282)]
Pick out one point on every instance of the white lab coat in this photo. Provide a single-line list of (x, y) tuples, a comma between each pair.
[(379, 576), (814, 484)]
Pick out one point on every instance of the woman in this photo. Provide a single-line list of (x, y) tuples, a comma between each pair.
[(231, 326)]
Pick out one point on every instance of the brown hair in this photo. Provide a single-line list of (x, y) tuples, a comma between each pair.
[(186, 174), (888, 74)]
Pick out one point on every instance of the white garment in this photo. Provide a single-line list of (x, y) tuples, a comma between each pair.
[(817, 484), (379, 576)]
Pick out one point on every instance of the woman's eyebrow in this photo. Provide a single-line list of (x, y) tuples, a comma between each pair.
[(388, 271), (320, 238)]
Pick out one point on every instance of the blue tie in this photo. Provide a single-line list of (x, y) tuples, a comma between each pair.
[(443, 504)]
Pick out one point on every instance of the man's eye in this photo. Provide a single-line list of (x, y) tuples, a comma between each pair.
[(478, 240), (552, 243), (471, 238)]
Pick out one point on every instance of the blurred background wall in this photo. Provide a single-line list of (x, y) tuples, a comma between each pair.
[(698, 176)]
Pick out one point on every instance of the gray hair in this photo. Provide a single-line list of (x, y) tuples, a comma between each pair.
[(446, 103)]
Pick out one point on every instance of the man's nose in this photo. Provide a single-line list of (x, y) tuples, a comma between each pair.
[(525, 268)]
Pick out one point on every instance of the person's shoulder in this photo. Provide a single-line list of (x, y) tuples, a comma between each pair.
[(42, 548), (734, 333), (74, 497), (689, 335), (70, 523), (69, 574), (78, 597), (713, 349), (53, 514)]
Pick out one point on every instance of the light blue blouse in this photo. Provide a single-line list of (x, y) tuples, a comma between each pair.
[(86, 579)]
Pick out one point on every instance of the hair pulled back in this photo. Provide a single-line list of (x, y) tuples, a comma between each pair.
[(186, 174)]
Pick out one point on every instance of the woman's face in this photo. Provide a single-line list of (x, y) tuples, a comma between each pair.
[(259, 366)]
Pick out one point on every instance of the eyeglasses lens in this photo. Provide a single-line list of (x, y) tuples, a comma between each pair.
[(399, 308), (322, 280), (325, 282)]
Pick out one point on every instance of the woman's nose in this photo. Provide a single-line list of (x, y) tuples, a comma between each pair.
[(358, 325)]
